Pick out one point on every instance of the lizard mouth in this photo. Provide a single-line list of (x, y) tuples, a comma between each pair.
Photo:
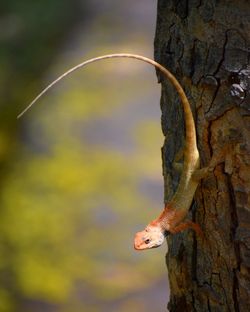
[(137, 247), (140, 248)]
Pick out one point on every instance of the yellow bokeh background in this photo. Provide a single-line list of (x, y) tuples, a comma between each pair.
[(82, 170)]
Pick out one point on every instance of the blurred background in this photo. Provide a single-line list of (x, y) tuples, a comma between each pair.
[(81, 172)]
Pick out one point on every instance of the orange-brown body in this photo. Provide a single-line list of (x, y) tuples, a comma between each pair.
[(173, 215)]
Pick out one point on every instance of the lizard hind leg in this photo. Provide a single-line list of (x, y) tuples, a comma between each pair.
[(200, 174), (220, 156), (178, 167), (178, 161)]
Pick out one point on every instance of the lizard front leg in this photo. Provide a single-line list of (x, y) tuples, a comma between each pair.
[(185, 225)]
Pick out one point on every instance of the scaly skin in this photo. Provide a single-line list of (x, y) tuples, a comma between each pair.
[(170, 220)]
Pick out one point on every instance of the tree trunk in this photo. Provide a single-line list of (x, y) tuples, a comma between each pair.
[(206, 45)]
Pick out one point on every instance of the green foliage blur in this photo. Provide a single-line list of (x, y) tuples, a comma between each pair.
[(71, 200), (30, 36)]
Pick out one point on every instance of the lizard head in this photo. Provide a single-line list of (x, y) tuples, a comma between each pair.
[(151, 237)]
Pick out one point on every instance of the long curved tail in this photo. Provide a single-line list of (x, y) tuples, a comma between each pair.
[(190, 147)]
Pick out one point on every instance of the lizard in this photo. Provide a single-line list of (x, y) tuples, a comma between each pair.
[(172, 218)]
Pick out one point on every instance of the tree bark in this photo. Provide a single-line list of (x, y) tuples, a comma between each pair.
[(206, 45)]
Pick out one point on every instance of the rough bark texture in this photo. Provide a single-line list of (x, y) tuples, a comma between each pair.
[(206, 45)]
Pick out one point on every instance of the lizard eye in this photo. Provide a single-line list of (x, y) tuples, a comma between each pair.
[(147, 241)]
